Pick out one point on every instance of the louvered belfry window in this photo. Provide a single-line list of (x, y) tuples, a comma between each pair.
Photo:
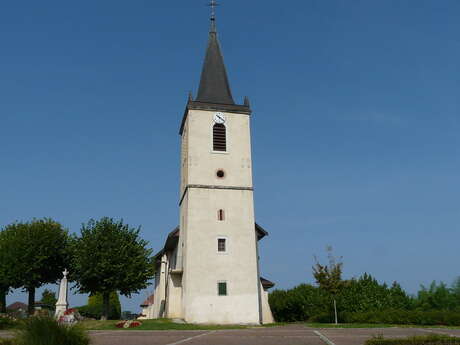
[(219, 137)]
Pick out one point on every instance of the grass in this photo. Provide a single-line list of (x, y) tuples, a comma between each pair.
[(433, 339), (7, 342), (372, 325), (153, 325), (166, 324)]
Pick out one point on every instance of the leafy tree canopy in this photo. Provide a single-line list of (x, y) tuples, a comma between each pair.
[(5, 277), (34, 253), (96, 303), (49, 298), (110, 256)]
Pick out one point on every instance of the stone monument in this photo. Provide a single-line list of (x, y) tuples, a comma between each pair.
[(62, 304)]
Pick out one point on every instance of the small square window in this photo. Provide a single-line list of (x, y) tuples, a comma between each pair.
[(221, 245), (222, 288)]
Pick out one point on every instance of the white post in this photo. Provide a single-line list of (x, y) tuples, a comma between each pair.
[(335, 312), (62, 304)]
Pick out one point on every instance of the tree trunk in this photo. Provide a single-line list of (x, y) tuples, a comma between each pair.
[(335, 312), (2, 301), (105, 305), (31, 306)]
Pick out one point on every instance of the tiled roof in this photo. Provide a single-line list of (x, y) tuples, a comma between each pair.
[(17, 306), (148, 301)]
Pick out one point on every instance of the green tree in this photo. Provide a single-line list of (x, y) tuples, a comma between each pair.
[(329, 277), (300, 303), (108, 257), (436, 297), (455, 289), (49, 298), (96, 303), (5, 280), (366, 294), (35, 254)]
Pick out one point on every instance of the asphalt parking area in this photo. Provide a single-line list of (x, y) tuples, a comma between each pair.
[(446, 331), (298, 335), (267, 336), (285, 335), (358, 336), (144, 337)]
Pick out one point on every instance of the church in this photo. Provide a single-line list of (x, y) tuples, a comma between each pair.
[(208, 270)]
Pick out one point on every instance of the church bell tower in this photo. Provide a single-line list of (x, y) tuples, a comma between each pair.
[(208, 270), (221, 282)]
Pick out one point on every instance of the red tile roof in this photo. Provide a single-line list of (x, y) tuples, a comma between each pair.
[(17, 306), (148, 301)]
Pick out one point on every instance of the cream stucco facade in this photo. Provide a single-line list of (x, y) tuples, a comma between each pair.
[(208, 271)]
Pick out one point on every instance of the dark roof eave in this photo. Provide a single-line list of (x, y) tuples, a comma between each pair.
[(266, 284), (261, 232), (171, 242)]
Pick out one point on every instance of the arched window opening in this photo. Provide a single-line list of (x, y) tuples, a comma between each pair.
[(219, 137)]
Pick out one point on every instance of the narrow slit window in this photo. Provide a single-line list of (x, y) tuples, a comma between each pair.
[(221, 215), (222, 288), (221, 245), (219, 137)]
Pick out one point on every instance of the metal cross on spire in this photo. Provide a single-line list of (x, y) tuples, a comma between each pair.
[(213, 4)]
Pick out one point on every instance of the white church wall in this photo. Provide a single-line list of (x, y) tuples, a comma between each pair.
[(203, 162), (206, 267), (267, 316), (174, 303)]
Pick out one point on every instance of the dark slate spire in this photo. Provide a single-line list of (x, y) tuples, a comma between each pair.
[(214, 85)]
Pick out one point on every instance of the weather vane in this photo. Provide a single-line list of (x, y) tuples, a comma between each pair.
[(213, 4)]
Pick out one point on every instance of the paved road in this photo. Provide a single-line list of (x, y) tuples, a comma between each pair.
[(287, 335), (260, 336)]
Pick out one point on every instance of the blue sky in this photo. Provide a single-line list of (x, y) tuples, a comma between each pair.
[(355, 125)]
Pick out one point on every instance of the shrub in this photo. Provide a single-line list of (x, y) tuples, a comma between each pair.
[(404, 317), (46, 331), (432, 339), (7, 322), (298, 304), (7, 342), (94, 307)]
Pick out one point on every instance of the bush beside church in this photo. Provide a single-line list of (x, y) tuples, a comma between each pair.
[(365, 300)]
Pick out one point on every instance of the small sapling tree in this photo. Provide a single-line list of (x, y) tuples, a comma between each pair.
[(109, 256), (329, 277), (49, 298)]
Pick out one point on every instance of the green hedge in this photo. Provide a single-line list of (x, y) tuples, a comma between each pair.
[(365, 300), (95, 312), (298, 304), (402, 317), (6, 322), (433, 339)]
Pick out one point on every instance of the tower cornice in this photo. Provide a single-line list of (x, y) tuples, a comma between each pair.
[(228, 108)]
